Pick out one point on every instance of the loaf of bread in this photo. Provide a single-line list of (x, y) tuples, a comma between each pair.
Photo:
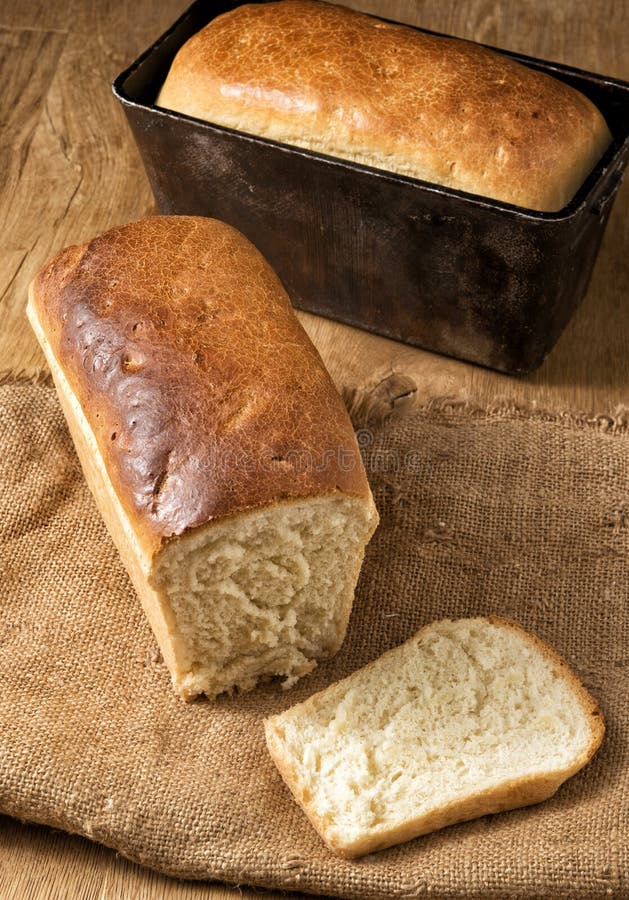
[(468, 717), (216, 446), (348, 85)]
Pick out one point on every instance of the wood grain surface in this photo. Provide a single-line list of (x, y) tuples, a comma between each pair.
[(69, 169)]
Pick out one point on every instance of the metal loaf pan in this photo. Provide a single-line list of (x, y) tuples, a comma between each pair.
[(434, 267)]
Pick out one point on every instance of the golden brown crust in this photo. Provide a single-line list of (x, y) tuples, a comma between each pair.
[(511, 795), (136, 562), (205, 395), (444, 110)]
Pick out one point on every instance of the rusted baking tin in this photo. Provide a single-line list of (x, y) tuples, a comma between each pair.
[(433, 267)]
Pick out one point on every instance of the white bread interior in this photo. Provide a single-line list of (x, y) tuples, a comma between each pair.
[(258, 594), (468, 717)]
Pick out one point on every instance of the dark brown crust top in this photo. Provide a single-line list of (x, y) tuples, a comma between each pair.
[(205, 394), (346, 84)]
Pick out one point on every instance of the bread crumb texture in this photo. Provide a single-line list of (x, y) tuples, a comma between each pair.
[(468, 717), (267, 593)]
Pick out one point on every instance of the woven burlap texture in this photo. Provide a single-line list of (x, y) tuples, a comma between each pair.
[(499, 512)]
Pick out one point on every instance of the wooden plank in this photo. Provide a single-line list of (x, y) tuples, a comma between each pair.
[(28, 61), (36, 15)]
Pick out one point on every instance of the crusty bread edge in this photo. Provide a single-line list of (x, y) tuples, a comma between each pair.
[(136, 561), (512, 794)]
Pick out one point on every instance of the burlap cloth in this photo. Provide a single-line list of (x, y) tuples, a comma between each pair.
[(498, 512)]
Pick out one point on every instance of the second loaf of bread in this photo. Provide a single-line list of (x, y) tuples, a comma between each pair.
[(348, 85)]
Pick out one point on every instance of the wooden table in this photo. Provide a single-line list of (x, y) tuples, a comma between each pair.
[(69, 170)]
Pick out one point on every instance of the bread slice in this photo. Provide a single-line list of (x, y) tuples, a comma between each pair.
[(468, 717), (216, 446)]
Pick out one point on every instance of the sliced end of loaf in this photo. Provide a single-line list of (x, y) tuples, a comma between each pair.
[(265, 593), (468, 717)]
